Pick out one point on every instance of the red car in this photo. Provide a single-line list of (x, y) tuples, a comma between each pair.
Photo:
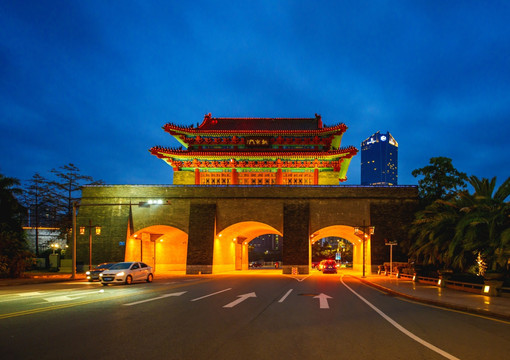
[(328, 266)]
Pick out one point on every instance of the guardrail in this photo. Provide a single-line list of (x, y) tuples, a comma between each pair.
[(484, 289), (463, 286)]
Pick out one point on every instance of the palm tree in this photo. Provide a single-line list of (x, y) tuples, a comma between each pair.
[(10, 209), (456, 231), (484, 227), (433, 230)]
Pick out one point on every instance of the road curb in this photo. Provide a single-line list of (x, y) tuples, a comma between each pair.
[(436, 302), (39, 279)]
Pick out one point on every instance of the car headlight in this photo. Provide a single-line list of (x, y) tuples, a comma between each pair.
[(101, 275), (120, 274), (87, 273)]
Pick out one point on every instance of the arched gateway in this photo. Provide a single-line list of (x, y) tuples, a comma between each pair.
[(236, 180)]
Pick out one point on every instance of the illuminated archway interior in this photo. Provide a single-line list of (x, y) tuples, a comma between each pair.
[(347, 233), (231, 245), (160, 246)]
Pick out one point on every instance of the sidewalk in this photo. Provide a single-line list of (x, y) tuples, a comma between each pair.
[(494, 306)]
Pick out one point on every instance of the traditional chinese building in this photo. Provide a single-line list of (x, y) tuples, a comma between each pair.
[(258, 151)]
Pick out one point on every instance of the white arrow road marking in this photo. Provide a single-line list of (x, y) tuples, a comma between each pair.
[(156, 298), (61, 298), (285, 296), (79, 294), (17, 298), (34, 293), (205, 296), (240, 300), (323, 300)]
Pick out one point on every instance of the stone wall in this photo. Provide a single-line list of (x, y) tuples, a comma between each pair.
[(201, 211)]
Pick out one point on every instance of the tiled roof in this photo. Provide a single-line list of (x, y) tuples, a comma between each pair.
[(351, 150), (211, 123), (257, 125)]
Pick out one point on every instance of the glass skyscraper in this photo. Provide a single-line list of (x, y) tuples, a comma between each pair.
[(379, 160)]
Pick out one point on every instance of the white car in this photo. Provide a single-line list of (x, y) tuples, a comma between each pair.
[(126, 273)]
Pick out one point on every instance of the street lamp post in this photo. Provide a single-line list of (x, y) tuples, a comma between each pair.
[(366, 231), (98, 232), (73, 265), (391, 244)]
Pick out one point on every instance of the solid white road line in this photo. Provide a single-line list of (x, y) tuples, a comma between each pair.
[(205, 296), (400, 327)]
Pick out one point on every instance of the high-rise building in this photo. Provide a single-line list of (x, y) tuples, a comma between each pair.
[(379, 160)]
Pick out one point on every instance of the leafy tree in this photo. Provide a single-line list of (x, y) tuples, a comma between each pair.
[(68, 185), (324, 250), (440, 180), (40, 204), (66, 190), (14, 256)]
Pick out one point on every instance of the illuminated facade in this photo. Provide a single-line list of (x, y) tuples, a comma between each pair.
[(258, 151), (379, 160)]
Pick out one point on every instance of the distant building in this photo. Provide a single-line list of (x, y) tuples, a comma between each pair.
[(379, 160), (268, 242), (44, 235)]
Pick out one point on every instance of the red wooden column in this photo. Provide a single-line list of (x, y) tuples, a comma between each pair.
[(316, 176), (234, 178), (197, 176), (279, 177)]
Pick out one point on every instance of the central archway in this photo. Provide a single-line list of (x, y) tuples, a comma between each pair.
[(347, 233), (231, 244)]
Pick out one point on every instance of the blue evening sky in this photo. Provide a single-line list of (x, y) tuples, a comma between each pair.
[(93, 82)]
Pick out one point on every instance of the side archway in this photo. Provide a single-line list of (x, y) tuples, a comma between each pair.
[(231, 244), (161, 246), (347, 233)]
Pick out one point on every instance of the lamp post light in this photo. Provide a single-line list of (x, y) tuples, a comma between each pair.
[(364, 231), (54, 247), (98, 232)]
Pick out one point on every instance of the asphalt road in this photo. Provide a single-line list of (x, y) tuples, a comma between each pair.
[(237, 317)]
